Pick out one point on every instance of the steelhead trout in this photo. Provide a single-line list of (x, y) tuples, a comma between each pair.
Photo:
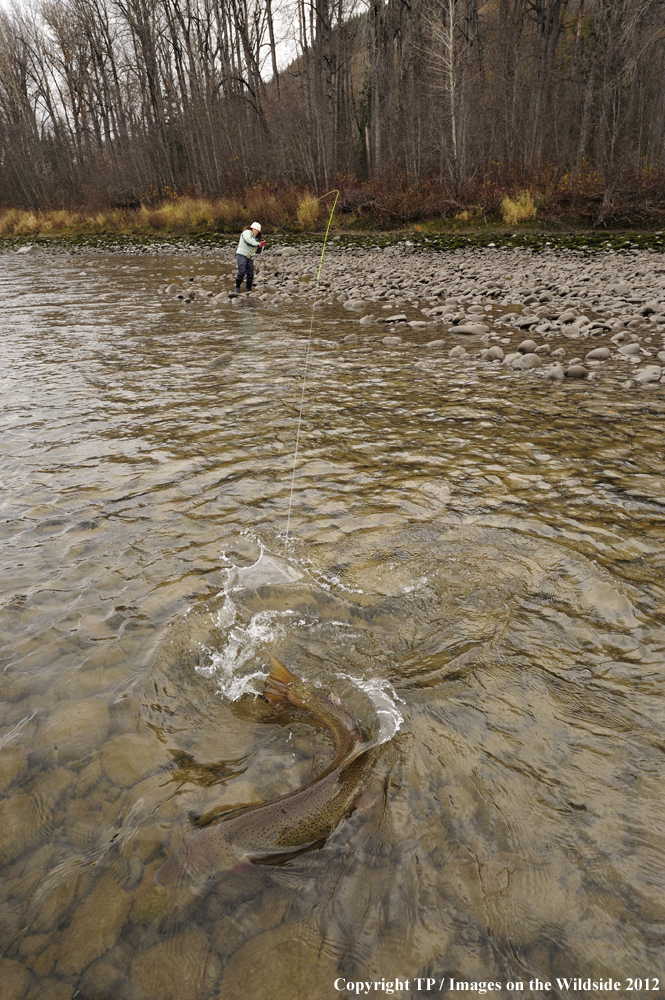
[(297, 820)]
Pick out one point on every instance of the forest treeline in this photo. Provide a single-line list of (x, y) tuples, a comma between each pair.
[(407, 105)]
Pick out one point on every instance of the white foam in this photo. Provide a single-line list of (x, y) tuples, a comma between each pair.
[(244, 643), (384, 698)]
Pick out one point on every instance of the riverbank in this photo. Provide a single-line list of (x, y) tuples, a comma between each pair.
[(420, 210), (524, 237)]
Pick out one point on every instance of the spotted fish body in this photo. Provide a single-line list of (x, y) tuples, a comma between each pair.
[(296, 820)]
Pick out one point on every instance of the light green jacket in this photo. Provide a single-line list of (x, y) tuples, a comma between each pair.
[(247, 243)]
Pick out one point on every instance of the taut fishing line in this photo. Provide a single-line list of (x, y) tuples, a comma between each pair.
[(309, 342)]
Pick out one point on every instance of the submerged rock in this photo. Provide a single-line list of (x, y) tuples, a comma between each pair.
[(222, 360), (180, 968), (95, 927), (128, 758), (24, 819), (14, 979), (292, 963), (74, 728)]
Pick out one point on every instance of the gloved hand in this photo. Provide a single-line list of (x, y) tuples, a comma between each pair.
[(261, 245)]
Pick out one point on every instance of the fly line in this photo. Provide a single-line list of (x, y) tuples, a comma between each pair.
[(309, 342)]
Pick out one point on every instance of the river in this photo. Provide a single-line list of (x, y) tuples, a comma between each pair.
[(485, 553)]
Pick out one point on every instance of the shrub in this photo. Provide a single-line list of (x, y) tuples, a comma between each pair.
[(308, 212), (518, 210)]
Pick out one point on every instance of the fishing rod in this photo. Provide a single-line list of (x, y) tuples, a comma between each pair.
[(309, 342)]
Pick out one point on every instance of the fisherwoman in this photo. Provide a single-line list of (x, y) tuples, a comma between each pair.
[(248, 245)]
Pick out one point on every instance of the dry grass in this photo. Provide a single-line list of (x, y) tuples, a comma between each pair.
[(521, 209), (308, 212), (585, 197)]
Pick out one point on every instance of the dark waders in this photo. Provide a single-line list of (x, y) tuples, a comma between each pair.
[(245, 269)]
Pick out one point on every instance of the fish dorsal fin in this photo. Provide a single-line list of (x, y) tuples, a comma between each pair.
[(278, 681)]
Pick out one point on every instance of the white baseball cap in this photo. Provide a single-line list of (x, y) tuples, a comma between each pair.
[(256, 225)]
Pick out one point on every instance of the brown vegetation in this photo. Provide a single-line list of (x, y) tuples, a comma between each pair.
[(173, 113), (583, 201)]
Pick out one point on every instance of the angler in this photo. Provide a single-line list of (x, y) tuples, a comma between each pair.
[(248, 245)]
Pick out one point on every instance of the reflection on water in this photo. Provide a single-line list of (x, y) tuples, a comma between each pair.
[(479, 556)]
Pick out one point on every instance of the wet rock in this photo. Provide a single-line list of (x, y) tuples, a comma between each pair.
[(527, 321), (651, 373), (148, 841), (291, 961), (628, 384), (14, 979), (577, 371), (392, 341), (173, 289), (556, 373), (397, 318), (457, 352), (599, 354), (511, 358), (74, 728), (470, 328), (559, 353), (543, 349), (566, 317), (31, 249), (621, 288), (24, 819), (13, 767), (52, 988), (222, 360), (351, 339), (102, 980), (44, 964), (629, 350), (181, 968), (527, 347), (130, 757), (495, 353), (436, 344), (368, 318), (354, 304), (54, 907), (618, 337), (52, 783), (417, 324), (531, 361), (95, 927), (661, 356)]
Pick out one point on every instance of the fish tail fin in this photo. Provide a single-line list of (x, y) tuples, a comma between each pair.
[(277, 682)]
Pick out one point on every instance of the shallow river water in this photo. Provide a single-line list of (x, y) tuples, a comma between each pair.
[(481, 556)]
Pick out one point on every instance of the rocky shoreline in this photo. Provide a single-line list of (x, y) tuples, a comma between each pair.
[(553, 315)]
